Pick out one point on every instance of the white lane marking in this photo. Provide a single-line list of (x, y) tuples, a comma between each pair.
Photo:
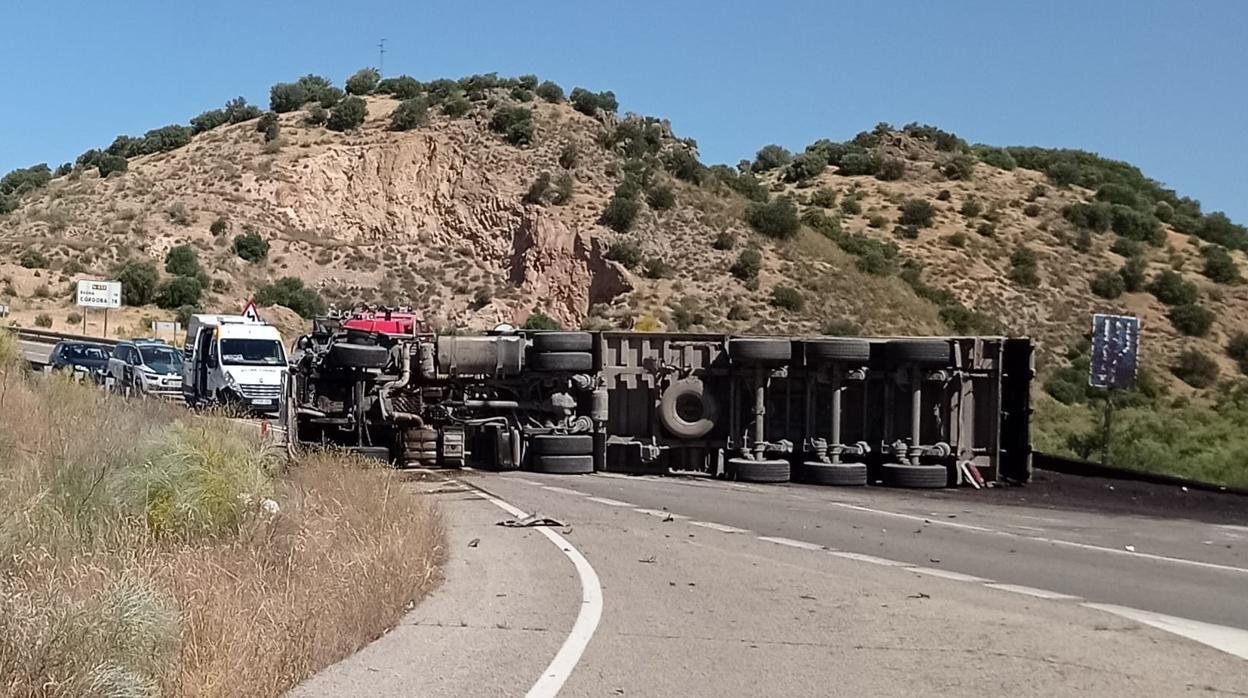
[(562, 490), (860, 557), (587, 618), (1032, 591), (1037, 529), (1230, 640), (792, 543), (718, 527), (620, 476), (948, 574), (610, 502), (1053, 541), (522, 481), (661, 514)]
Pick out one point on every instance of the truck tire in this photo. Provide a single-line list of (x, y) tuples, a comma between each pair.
[(546, 342), (749, 470), (760, 350), (564, 465), (687, 410), (841, 474), (926, 352), (917, 476), (362, 356), (562, 445), (570, 361), (856, 351)]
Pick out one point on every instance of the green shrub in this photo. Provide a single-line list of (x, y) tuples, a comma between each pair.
[(746, 185), (590, 103), (1219, 265), (749, 263), (823, 198), (1096, 216), (660, 197), (724, 240), (539, 320), (288, 96), (1031, 210), (1191, 319), (1133, 274), (1108, 284), (944, 195), (251, 246), (626, 252), (1082, 241), (1172, 289), (209, 120), (971, 208), (550, 92), (74, 318), (957, 239), (1237, 348), (292, 293), (686, 313), (514, 123), (1023, 267), (178, 291), (1116, 193), (32, 258), (917, 212), (538, 189), (568, 156), (805, 166), (684, 165), (890, 169), (840, 327), (219, 227), (563, 190), (776, 219), (109, 164), (320, 90), (315, 116), (876, 262), (521, 95), (877, 221), (403, 87), (182, 260), (857, 163), (237, 110), (1136, 225), (410, 114), (363, 82), (960, 166), (269, 126), (787, 298), (996, 157), (851, 205), (456, 106), (621, 211), (906, 232), (1127, 247), (657, 268), (1195, 368), (43, 320), (826, 225), (347, 115), (771, 157), (1219, 229), (986, 229), (1164, 212), (139, 280), (182, 315)]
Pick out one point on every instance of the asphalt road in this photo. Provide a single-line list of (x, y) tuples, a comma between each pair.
[(720, 589), (35, 352)]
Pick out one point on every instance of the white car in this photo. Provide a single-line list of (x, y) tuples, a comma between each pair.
[(146, 367)]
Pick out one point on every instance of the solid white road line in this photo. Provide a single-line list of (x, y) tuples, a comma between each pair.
[(610, 502), (562, 490), (718, 527), (522, 481), (947, 574), (1032, 591), (1230, 640), (587, 618), (660, 513), (792, 543), (860, 557)]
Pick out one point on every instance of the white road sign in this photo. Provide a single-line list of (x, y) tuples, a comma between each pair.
[(99, 294)]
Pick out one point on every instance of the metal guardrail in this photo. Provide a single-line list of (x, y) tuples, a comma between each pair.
[(48, 337), (1071, 466)]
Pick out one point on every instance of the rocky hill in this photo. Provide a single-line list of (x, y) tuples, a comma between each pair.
[(489, 200)]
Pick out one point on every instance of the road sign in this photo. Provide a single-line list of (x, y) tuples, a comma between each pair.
[(250, 312), (1115, 351), (99, 294)]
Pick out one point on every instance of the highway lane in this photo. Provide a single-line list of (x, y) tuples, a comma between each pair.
[(35, 352)]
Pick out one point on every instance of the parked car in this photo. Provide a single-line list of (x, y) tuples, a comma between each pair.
[(146, 367), (84, 357)]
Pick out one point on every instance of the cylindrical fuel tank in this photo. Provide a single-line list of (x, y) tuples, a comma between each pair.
[(483, 356)]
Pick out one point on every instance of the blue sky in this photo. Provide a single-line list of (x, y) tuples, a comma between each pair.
[(1158, 84)]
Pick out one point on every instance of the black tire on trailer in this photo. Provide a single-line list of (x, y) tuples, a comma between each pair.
[(916, 476), (838, 349), (687, 410), (839, 474), (571, 361), (562, 444), (760, 349), (377, 453), (564, 465), (749, 470), (928, 352), (351, 355), (546, 342)]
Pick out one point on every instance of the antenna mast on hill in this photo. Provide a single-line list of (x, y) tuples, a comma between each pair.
[(381, 56)]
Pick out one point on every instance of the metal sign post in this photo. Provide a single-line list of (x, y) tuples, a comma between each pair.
[(1115, 363), (98, 294)]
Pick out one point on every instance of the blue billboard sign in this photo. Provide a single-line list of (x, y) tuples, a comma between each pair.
[(1115, 351)]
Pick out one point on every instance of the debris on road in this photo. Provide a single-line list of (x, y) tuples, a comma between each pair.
[(919, 595), (649, 560), (1129, 548), (474, 542), (530, 520)]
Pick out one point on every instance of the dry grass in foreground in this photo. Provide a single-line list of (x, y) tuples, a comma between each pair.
[(140, 553)]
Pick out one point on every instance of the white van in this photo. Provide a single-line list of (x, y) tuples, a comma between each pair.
[(230, 359)]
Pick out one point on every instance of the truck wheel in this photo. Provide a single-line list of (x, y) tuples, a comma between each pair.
[(760, 349), (839, 349), (845, 474), (928, 352), (564, 361), (564, 465), (562, 341), (562, 445), (748, 470), (918, 476), (687, 410), (349, 355)]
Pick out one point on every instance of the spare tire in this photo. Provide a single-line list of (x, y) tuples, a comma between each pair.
[(838, 349), (927, 352), (686, 410), (564, 361), (749, 470), (760, 349), (362, 356), (844, 474), (562, 444), (564, 465), (562, 341), (919, 476)]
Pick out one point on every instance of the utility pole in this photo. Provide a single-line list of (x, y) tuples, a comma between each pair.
[(381, 57)]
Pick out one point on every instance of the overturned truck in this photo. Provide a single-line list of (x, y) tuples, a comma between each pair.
[(907, 412)]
